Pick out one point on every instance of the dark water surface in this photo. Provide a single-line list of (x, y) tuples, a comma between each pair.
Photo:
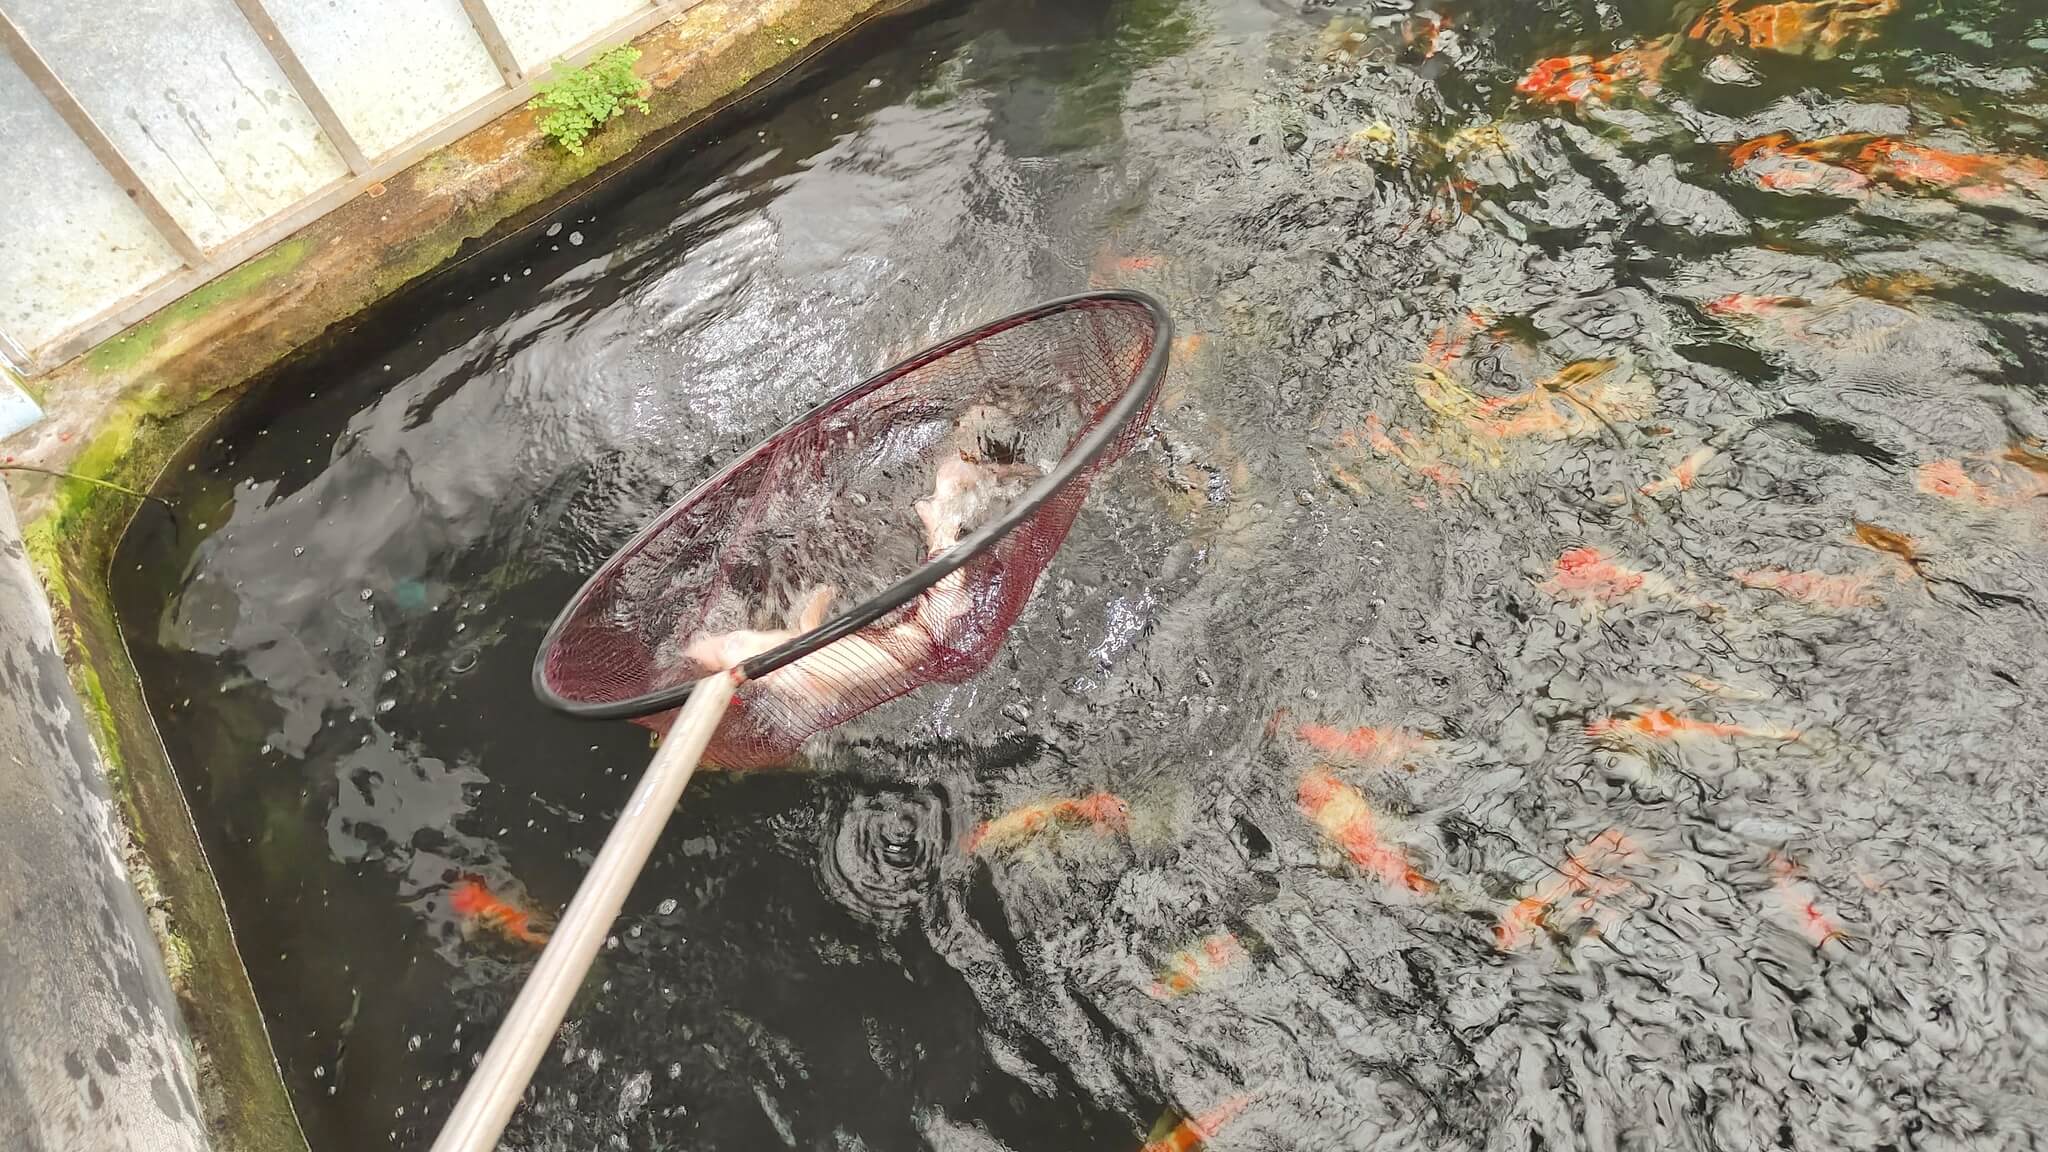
[(1702, 814)]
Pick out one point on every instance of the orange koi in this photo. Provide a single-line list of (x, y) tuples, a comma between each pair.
[(1340, 813), (1574, 877), (1102, 811), (1745, 305), (1815, 588), (1797, 900), (1574, 79), (1360, 745), (1418, 457), (1662, 724), (1683, 477), (473, 903), (1781, 164), (1429, 30), (2025, 456), (1894, 288), (2015, 478), (1194, 1131), (1447, 345), (1946, 479), (1882, 539), (1971, 175), (1587, 574), (1819, 28), (1193, 966)]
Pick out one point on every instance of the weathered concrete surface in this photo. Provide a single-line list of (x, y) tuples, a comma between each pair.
[(121, 412), (92, 1052)]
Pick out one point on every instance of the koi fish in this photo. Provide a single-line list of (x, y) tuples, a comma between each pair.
[(2025, 456), (1193, 1131), (1895, 543), (1946, 479), (1744, 304), (1193, 966), (1778, 163), (1586, 387), (1101, 810), (1573, 79), (1588, 574), (1473, 137), (1574, 877), (1447, 345), (1796, 899), (1360, 745), (1817, 28), (1340, 813), (1977, 176), (1682, 477), (1661, 724), (1893, 288), (1429, 30), (1814, 588), (1109, 269), (473, 903), (1422, 459), (2006, 484)]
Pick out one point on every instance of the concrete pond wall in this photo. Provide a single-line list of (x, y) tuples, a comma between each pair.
[(129, 1019)]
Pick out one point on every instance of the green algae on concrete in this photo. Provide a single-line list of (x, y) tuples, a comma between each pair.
[(123, 411)]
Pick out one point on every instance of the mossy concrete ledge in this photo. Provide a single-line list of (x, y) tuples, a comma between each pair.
[(121, 412)]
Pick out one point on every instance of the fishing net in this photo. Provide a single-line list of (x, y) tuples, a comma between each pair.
[(888, 538)]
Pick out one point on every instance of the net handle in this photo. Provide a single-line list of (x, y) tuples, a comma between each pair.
[(494, 1089), (1135, 396)]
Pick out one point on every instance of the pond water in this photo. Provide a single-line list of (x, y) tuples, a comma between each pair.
[(1564, 647)]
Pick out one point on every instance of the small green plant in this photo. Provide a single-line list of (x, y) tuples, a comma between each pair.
[(578, 101)]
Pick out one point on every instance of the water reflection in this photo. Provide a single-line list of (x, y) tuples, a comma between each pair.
[(1558, 674)]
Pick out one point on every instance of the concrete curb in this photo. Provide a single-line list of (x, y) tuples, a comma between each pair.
[(93, 1053)]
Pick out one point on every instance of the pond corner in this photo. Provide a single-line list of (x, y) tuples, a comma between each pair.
[(119, 414)]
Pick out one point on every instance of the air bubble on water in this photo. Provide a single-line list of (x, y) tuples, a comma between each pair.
[(366, 594), (412, 1044), (634, 931), (379, 643), (463, 662), (605, 987), (265, 751), (666, 906), (575, 238), (390, 674), (384, 706), (462, 627), (320, 1072), (555, 229), (875, 83), (611, 942), (299, 551)]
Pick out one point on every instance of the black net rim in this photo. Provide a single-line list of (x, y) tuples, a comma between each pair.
[(1135, 398)]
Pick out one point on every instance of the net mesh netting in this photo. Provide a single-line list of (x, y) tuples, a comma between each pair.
[(842, 504)]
